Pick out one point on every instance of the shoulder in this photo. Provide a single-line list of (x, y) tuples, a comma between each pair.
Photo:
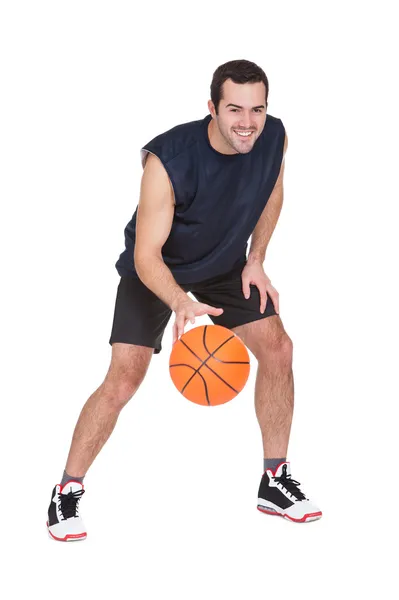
[(174, 141), (274, 127)]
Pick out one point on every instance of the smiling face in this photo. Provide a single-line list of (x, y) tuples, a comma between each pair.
[(241, 117)]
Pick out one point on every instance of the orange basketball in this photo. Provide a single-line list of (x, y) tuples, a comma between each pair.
[(209, 365)]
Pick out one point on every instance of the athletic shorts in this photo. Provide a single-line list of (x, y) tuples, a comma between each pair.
[(140, 317)]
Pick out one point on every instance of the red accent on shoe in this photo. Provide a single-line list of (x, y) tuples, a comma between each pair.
[(69, 536), (277, 468), (70, 481), (276, 514)]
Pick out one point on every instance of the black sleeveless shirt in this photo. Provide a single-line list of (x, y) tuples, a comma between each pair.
[(219, 199)]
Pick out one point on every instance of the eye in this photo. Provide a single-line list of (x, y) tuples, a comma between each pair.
[(233, 110), (258, 110)]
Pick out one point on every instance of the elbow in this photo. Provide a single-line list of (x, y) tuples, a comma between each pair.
[(138, 264), (143, 262)]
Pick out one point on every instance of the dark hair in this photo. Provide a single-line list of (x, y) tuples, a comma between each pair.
[(240, 71)]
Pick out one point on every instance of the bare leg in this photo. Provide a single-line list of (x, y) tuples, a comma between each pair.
[(129, 364), (274, 386)]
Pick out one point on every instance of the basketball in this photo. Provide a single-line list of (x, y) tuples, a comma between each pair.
[(209, 365)]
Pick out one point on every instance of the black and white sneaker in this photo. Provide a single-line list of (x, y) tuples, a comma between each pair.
[(64, 523), (280, 495)]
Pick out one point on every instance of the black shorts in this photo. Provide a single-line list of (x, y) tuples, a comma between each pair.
[(140, 317)]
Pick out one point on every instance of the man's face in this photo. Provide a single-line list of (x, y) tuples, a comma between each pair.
[(242, 114)]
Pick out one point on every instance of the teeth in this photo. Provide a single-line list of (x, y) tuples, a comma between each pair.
[(243, 134)]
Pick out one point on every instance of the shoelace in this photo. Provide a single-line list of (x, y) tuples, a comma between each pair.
[(291, 485), (69, 503)]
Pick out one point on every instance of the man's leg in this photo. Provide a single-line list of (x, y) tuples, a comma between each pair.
[(278, 493), (129, 364), (274, 387), (264, 335), (140, 318)]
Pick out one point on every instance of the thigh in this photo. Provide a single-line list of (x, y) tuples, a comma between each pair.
[(140, 317), (225, 291)]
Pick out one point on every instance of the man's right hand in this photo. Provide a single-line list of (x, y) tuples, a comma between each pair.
[(187, 310)]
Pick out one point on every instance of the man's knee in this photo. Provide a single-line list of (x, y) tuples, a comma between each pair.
[(118, 391), (286, 349), (268, 341), (124, 377), (277, 351)]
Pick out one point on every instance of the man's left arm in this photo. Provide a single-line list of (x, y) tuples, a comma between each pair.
[(253, 271)]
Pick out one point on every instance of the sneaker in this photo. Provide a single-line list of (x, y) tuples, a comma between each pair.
[(280, 495), (64, 523)]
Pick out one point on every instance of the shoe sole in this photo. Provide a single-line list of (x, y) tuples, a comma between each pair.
[(72, 537), (305, 519)]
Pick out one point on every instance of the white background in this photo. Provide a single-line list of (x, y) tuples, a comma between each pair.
[(170, 502)]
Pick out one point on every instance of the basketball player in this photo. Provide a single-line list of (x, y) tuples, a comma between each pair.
[(207, 186)]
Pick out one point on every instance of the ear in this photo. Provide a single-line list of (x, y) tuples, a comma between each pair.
[(211, 108)]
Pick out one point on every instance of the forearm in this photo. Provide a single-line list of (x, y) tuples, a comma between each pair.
[(265, 226), (158, 278)]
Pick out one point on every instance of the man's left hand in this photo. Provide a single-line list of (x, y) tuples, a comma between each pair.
[(254, 273)]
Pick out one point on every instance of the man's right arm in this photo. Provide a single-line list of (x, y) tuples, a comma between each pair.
[(153, 224)]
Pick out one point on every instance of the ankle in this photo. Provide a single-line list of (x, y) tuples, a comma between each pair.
[(66, 477), (272, 463)]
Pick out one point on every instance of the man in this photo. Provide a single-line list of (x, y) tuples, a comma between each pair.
[(207, 186)]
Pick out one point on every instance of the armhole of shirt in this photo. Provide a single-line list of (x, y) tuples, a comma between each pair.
[(282, 141), (282, 125), (143, 155)]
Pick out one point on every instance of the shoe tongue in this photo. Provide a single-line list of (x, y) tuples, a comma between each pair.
[(71, 486), (283, 469)]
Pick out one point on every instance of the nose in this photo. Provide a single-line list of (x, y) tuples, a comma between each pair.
[(245, 121)]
